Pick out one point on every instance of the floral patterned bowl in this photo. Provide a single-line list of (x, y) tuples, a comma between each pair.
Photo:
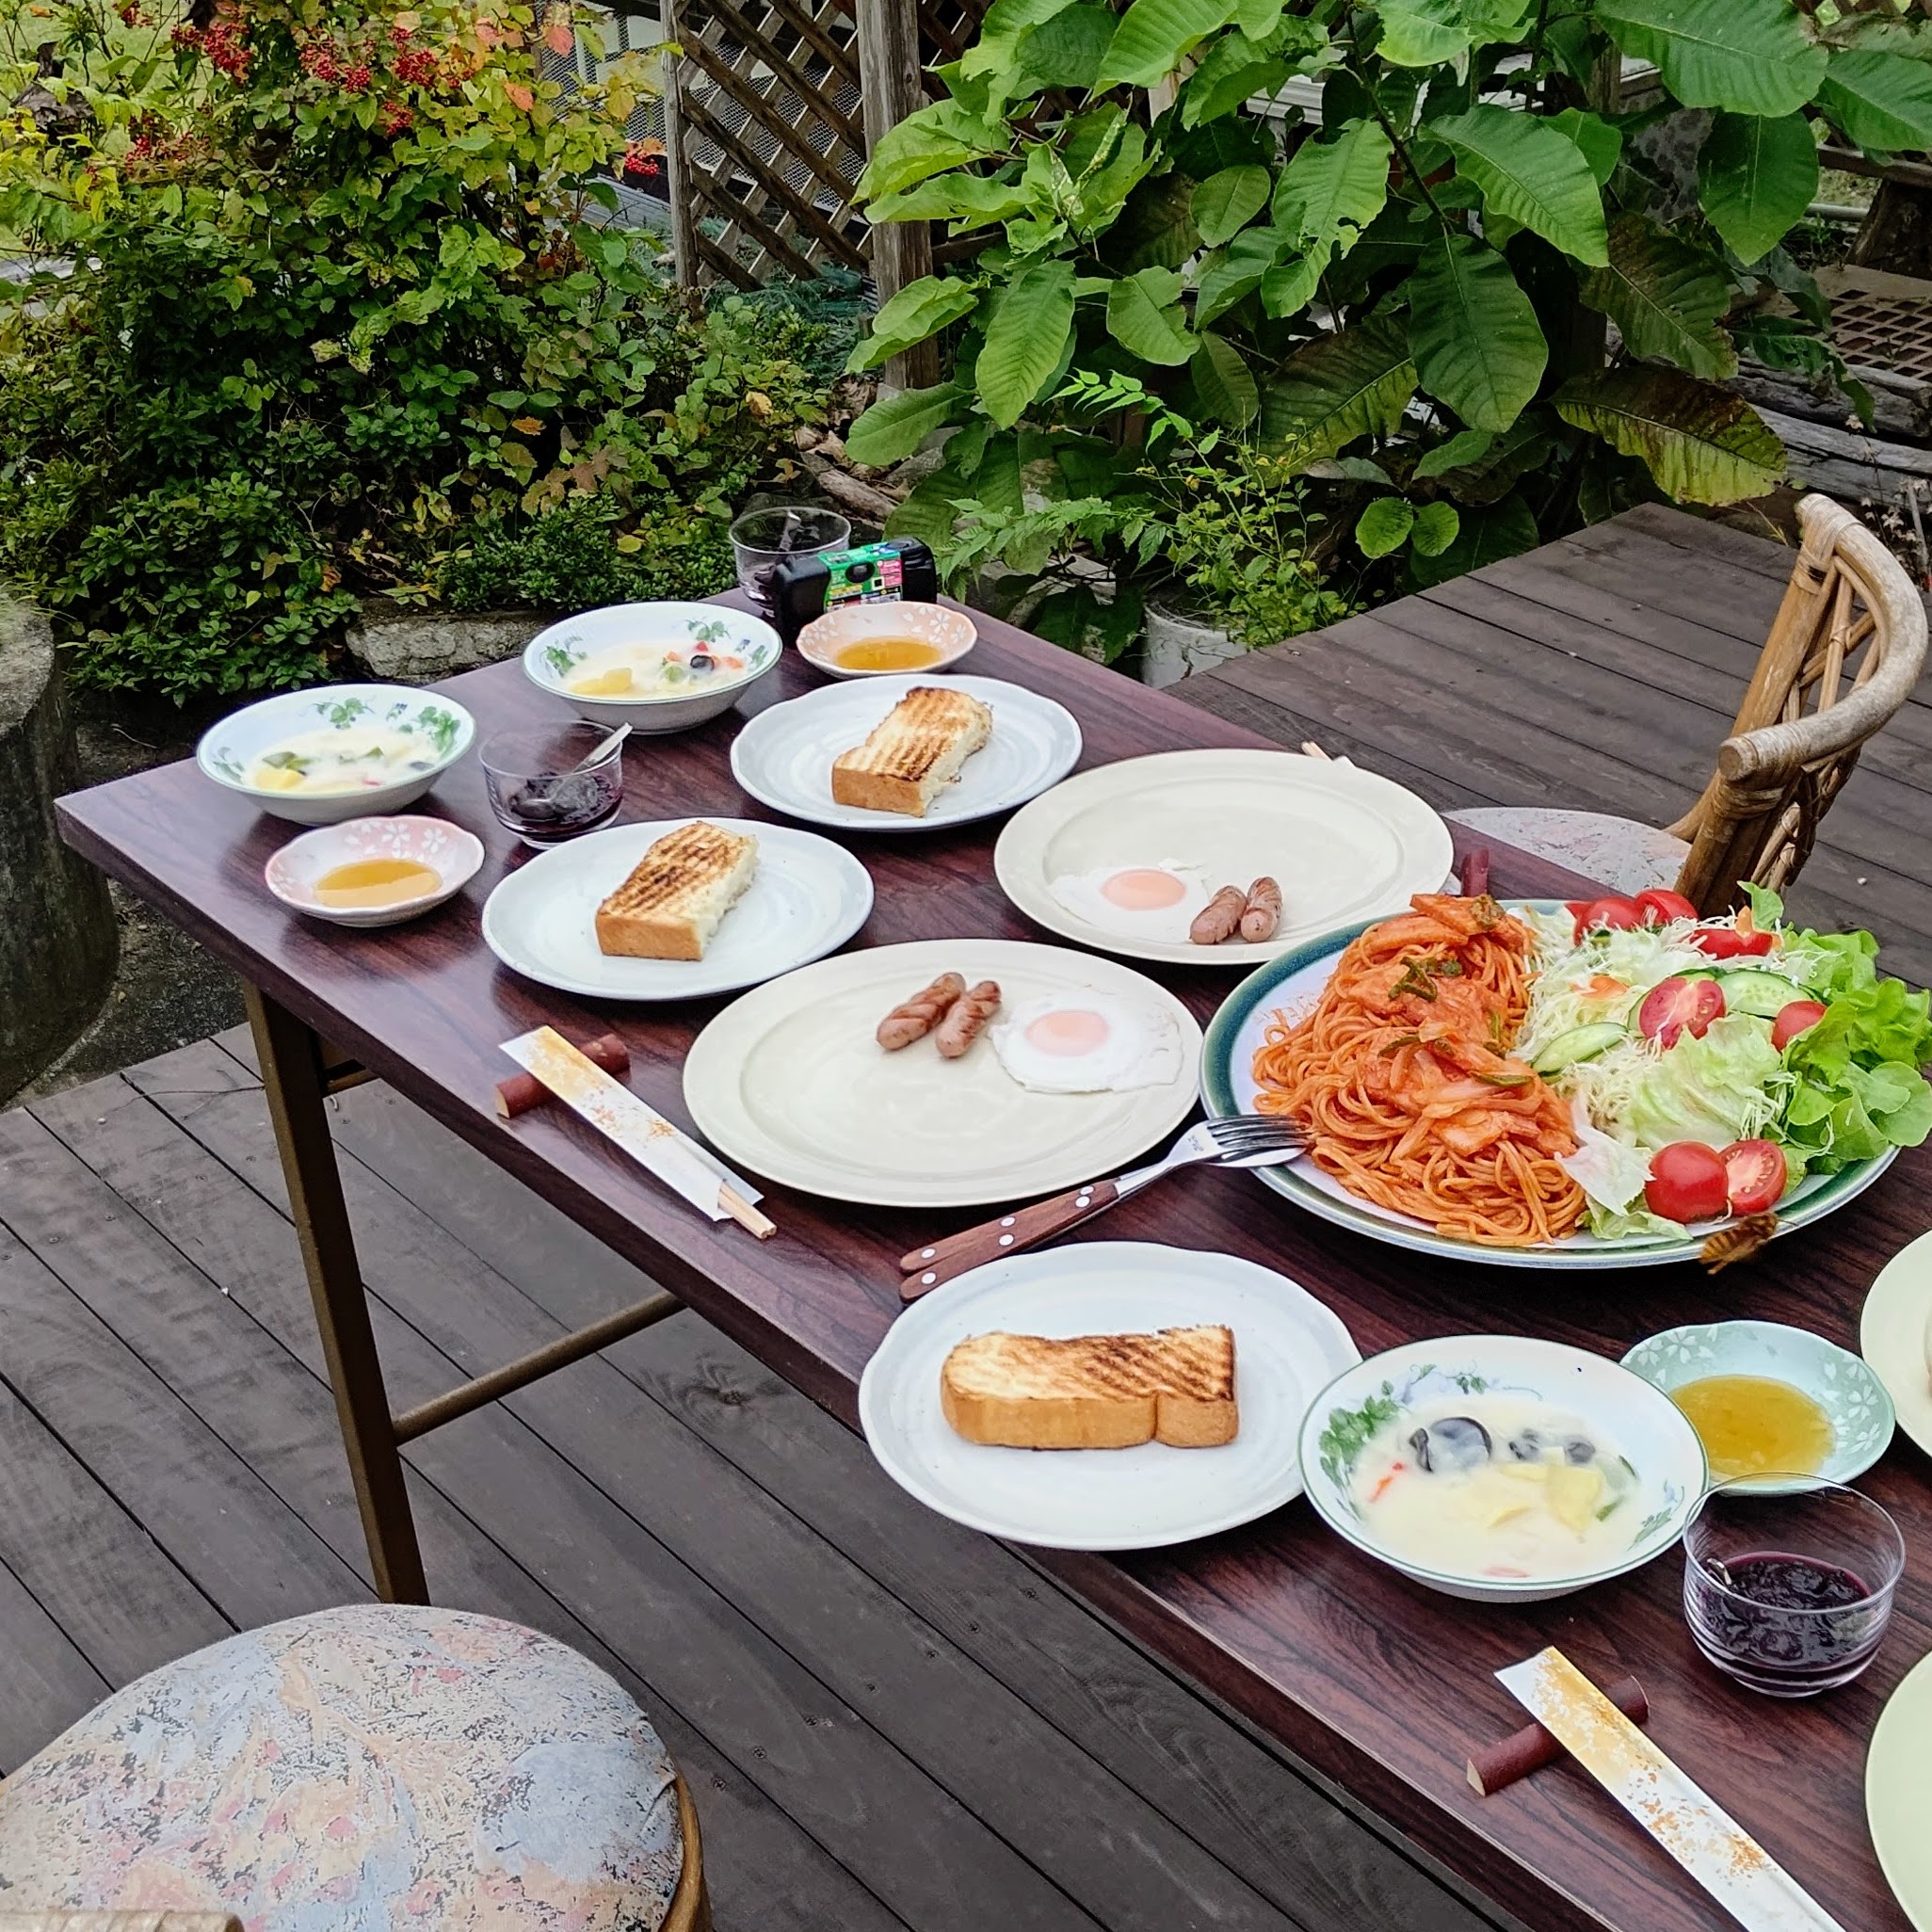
[(449, 851), (551, 656), (1627, 1413), (230, 750), (951, 632), (1851, 1394)]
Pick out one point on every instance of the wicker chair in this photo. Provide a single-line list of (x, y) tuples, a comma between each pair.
[(378, 1764), (1843, 655)]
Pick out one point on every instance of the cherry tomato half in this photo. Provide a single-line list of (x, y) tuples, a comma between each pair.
[(1687, 1183), (1673, 1008), (1576, 909), (1728, 942), (1615, 915), (1755, 1174), (1660, 907), (1799, 1017)]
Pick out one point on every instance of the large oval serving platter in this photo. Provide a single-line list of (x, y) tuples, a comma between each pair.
[(1290, 986)]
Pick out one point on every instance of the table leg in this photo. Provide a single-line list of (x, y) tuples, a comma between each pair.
[(293, 1078)]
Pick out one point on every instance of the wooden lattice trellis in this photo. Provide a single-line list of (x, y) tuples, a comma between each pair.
[(768, 124)]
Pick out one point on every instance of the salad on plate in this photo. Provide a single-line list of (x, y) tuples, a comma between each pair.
[(1714, 1065)]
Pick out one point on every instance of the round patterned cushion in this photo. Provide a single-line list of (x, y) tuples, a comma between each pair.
[(375, 1768)]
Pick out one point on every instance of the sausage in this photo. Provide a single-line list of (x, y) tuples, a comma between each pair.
[(964, 1019), (1263, 914), (1217, 919), (918, 1016)]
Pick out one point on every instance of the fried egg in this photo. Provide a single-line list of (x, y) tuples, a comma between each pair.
[(1138, 901), (1086, 1041)]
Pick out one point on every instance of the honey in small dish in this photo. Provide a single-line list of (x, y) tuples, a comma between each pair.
[(363, 884), (1750, 1424), (888, 655)]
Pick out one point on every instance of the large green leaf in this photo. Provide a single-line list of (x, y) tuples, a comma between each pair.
[(1384, 526), (1145, 318), (1474, 336), (1465, 446), (1666, 298), (1752, 56), (953, 196), (1025, 340), (1237, 272), (1881, 101), (1531, 172), (1434, 530), (1343, 386), (1157, 227), (920, 310), (1289, 289), (1422, 33), (1226, 202), (1600, 143), (1482, 536), (1703, 443), (1756, 177), (1331, 190), (1224, 382), (1000, 33), (928, 512), (895, 426), (924, 144), (1232, 69), (1155, 36), (1067, 50)]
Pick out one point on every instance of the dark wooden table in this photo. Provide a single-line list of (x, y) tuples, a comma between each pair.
[(1377, 1684)]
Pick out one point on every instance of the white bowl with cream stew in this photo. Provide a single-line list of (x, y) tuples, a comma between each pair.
[(1501, 1468), (653, 666), (321, 756)]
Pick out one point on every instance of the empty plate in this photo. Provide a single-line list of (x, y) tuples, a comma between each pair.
[(807, 898), (783, 756)]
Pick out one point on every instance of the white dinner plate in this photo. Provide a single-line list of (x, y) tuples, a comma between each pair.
[(1893, 1336), (789, 1082), (1345, 845), (1287, 1348), (783, 756), (807, 896), (1898, 1793), (1289, 987)]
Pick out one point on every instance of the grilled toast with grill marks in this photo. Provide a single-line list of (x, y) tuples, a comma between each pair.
[(914, 753), (1093, 1392), (677, 893)]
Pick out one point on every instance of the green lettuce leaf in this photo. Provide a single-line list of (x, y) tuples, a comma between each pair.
[(1859, 1086), (1728, 1086)]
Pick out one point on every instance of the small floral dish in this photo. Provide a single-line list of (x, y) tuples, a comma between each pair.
[(1854, 1400), (872, 640), (373, 846), (1559, 1410), (654, 667), (321, 757)]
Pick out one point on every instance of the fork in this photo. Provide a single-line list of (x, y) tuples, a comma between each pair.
[(1239, 1141)]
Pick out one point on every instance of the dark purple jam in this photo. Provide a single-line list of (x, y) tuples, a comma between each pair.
[(1787, 1624)]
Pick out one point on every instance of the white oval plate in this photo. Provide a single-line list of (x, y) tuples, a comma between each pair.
[(783, 756), (1345, 845), (1895, 1336), (789, 1082), (1287, 1348), (1898, 1793), (808, 896)]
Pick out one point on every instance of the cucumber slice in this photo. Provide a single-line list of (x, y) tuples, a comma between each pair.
[(1766, 994), (1579, 1043)]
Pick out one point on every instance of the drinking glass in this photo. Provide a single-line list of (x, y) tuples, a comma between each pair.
[(534, 788), (1788, 1581), (763, 538)]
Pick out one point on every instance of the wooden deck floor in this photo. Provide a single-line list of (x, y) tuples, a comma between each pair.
[(1599, 673), (887, 1721)]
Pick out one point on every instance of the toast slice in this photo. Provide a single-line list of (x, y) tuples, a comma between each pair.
[(914, 753), (677, 893), (1093, 1392)]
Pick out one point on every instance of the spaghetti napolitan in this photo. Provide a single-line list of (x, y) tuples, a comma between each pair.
[(1403, 1077)]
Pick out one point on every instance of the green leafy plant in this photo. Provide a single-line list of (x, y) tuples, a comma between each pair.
[(1415, 297), (331, 305)]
